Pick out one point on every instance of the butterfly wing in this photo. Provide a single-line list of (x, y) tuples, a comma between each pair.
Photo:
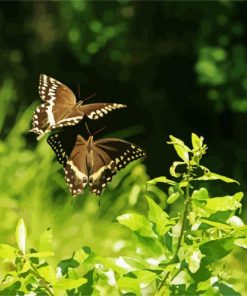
[(59, 101), (74, 162), (60, 107), (109, 156), (97, 110)]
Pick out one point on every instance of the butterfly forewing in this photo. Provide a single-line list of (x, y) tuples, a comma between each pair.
[(51, 89), (97, 110), (111, 155), (61, 109)]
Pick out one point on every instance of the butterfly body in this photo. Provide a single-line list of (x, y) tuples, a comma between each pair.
[(93, 163), (60, 107)]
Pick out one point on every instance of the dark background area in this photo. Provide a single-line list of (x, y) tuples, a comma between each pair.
[(179, 66)]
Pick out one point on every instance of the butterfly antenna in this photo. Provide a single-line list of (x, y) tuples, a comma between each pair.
[(87, 129), (91, 96), (79, 90), (99, 130)]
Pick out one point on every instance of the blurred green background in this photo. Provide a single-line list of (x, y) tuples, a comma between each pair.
[(179, 66)]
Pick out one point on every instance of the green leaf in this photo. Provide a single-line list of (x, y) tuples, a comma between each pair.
[(212, 176), (129, 285), (173, 197), (202, 193), (66, 263), (161, 180), (137, 223), (181, 149), (47, 273), (216, 224), (45, 240), (206, 207), (21, 235), (216, 249), (7, 252), (40, 255), (182, 278), (241, 242), (174, 167), (193, 257), (80, 255), (226, 289), (69, 284), (159, 217), (196, 141)]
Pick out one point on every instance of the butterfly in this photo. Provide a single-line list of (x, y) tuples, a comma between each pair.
[(92, 163), (60, 107)]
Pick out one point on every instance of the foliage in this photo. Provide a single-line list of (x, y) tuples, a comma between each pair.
[(179, 255)]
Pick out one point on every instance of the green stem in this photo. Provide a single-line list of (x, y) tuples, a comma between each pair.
[(42, 280), (185, 213)]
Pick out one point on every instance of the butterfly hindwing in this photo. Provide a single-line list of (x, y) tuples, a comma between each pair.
[(114, 154), (92, 162), (57, 144)]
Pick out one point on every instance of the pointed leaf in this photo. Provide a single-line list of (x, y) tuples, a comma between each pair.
[(21, 235), (207, 207), (181, 149), (69, 284), (216, 249), (48, 273), (173, 197), (7, 252), (137, 223), (174, 167), (159, 217), (196, 141), (161, 180), (241, 242), (213, 176), (40, 255)]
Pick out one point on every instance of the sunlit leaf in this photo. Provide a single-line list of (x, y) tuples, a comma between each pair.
[(207, 207), (40, 255), (129, 285), (196, 141), (182, 278), (48, 273), (45, 240), (137, 223), (193, 257), (7, 251), (202, 193), (174, 167), (181, 149), (21, 235), (216, 224), (216, 249), (173, 197), (241, 242), (213, 176), (69, 284), (159, 217), (161, 180)]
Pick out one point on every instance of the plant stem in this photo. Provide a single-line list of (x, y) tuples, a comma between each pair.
[(42, 280), (185, 213)]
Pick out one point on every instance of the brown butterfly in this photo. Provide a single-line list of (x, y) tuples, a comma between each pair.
[(93, 162), (60, 107)]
